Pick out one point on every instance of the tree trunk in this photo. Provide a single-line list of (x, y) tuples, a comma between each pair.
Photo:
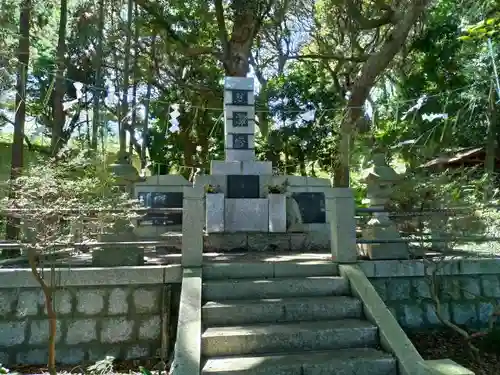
[(145, 130), (48, 292), (135, 75), (59, 117), (189, 146), (126, 78), (17, 161), (491, 143), (246, 24), (98, 66), (370, 71), (203, 136)]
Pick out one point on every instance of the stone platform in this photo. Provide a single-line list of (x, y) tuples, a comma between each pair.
[(315, 241), (163, 256)]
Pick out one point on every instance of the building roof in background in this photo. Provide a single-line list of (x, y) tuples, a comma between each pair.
[(456, 157)]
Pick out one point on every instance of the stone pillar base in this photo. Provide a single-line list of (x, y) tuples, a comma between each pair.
[(118, 257), (376, 230)]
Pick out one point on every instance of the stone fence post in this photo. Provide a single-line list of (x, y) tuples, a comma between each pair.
[(340, 211), (192, 226)]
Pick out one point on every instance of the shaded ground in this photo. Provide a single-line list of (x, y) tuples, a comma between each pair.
[(440, 344), (154, 256)]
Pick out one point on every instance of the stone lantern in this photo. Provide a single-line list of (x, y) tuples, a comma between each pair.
[(381, 180), (123, 230), (124, 172)]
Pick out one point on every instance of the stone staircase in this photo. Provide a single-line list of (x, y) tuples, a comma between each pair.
[(300, 322)]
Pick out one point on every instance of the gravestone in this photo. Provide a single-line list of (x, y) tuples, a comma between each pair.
[(311, 206), (161, 200)]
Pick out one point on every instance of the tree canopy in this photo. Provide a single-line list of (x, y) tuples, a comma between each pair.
[(336, 79)]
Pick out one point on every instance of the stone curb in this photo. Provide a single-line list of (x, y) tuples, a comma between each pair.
[(416, 268), (392, 337), (187, 351)]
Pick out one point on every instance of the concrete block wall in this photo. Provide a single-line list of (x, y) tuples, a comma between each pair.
[(100, 312), (468, 290)]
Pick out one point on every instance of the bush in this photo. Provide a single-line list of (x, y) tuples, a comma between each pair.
[(57, 204), (461, 194)]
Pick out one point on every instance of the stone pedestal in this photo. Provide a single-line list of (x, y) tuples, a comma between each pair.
[(214, 213), (293, 216), (277, 213), (192, 227), (247, 215), (340, 209), (118, 256)]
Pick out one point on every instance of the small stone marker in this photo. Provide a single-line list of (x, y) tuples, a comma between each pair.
[(161, 200)]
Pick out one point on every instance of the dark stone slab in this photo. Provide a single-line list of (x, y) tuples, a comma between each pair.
[(243, 186), (312, 207), (240, 141), (240, 97), (240, 119), (161, 200)]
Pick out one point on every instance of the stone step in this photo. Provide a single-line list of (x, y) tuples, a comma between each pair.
[(219, 313), (354, 361), (275, 288), (288, 337), (267, 270)]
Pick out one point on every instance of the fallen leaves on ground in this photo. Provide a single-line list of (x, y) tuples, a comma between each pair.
[(119, 367), (444, 343)]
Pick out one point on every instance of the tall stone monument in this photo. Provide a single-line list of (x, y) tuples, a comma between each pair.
[(246, 207), (244, 195), (239, 119)]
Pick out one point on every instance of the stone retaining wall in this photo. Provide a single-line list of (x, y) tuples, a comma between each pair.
[(468, 290), (100, 311)]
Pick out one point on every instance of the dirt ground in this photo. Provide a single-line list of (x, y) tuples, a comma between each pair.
[(441, 343)]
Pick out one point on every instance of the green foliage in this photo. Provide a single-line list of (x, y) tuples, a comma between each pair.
[(435, 63), (452, 80), (466, 192), (487, 28), (278, 189), (304, 139), (212, 189), (61, 203)]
